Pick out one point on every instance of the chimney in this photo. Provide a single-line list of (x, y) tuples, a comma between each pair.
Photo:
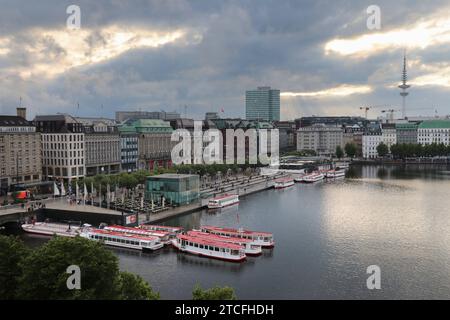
[(22, 112)]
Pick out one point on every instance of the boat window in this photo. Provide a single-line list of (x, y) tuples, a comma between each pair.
[(216, 249), (201, 246), (234, 252)]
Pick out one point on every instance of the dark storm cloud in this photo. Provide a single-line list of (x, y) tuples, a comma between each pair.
[(243, 44)]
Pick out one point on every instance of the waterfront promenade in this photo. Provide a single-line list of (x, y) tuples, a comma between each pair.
[(238, 185)]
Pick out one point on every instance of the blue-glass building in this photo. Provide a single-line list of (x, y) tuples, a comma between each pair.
[(177, 189)]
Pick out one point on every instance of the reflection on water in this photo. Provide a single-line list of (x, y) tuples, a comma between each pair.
[(326, 235)]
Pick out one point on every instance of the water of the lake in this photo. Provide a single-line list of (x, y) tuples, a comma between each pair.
[(326, 234)]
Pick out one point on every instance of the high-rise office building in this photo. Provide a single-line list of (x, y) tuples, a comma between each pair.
[(262, 104)]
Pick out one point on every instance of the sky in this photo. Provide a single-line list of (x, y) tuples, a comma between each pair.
[(155, 55)]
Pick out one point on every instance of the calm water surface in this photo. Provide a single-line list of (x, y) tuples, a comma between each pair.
[(326, 235)]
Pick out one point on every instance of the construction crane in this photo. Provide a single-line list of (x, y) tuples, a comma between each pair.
[(367, 108), (391, 111)]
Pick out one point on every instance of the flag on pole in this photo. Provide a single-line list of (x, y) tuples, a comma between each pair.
[(85, 191), (108, 195), (63, 190), (55, 190)]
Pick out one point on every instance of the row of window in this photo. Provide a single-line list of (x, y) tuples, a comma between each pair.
[(206, 247)]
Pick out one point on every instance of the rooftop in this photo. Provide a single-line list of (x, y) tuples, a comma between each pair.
[(13, 121), (435, 124), (173, 176)]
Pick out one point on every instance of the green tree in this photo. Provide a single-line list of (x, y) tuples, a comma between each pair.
[(382, 149), (339, 152), (44, 271), (133, 287), (350, 150), (215, 293), (12, 251)]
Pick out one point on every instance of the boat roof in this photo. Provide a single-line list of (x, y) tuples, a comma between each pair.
[(283, 179), (210, 242), (148, 226), (137, 230), (231, 230), (224, 197), (217, 237), (121, 234)]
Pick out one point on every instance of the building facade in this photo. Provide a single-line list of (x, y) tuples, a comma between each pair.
[(154, 143), (287, 134), (389, 134), (122, 116), (129, 148), (321, 138), (63, 147), (102, 146), (20, 152), (176, 189), (262, 104), (406, 133), (370, 142), (434, 131)]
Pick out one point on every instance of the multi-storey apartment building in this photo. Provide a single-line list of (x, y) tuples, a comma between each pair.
[(102, 145), (434, 131), (406, 133), (122, 116), (63, 147), (154, 143), (262, 104), (389, 134), (321, 138), (129, 147), (20, 152)]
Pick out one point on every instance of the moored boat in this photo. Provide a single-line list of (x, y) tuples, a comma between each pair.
[(173, 231), (249, 248), (123, 240), (223, 201), (263, 239), (50, 229), (283, 183), (163, 235), (209, 248), (314, 177), (335, 174)]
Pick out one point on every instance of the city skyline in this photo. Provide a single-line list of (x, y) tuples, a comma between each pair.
[(167, 55)]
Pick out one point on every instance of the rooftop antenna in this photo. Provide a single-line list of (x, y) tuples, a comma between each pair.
[(404, 86)]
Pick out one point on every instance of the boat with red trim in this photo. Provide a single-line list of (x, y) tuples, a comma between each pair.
[(249, 248), (313, 177), (263, 239), (173, 231), (209, 248), (223, 201), (283, 183), (164, 236), (123, 240), (332, 174)]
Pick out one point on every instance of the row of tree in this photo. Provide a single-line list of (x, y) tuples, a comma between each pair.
[(42, 273), (349, 148), (408, 150)]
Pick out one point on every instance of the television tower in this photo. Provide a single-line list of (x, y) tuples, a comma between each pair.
[(404, 86)]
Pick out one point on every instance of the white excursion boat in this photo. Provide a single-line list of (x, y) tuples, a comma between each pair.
[(299, 178), (50, 229), (283, 183), (162, 235), (123, 240), (223, 201), (209, 248), (263, 239), (249, 248), (173, 231), (335, 174), (314, 177)]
